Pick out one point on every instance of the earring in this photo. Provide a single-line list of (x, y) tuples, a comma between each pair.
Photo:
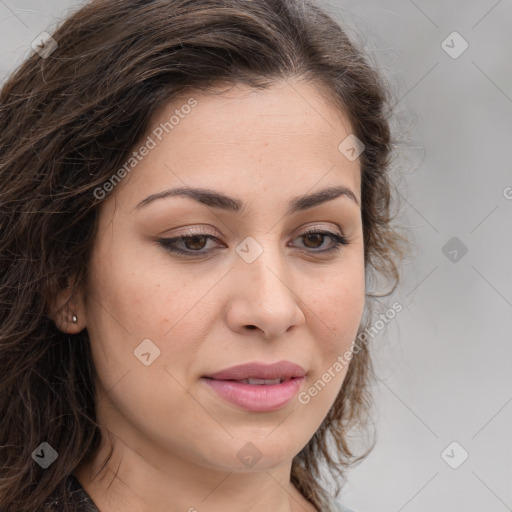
[(74, 318)]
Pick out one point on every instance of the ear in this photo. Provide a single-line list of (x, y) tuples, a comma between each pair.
[(68, 302)]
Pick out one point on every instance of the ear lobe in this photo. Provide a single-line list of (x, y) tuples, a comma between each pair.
[(65, 306)]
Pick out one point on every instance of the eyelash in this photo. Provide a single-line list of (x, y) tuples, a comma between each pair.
[(167, 243)]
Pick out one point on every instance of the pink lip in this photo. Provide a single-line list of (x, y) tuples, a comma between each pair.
[(257, 370), (256, 398)]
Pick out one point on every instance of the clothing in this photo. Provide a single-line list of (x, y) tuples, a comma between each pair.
[(80, 496)]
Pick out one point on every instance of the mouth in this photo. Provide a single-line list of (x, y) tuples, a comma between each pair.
[(257, 382), (257, 386), (256, 395), (260, 373)]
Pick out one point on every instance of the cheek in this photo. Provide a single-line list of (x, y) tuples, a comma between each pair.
[(135, 299), (138, 312), (130, 291), (337, 306), (334, 321), (337, 303)]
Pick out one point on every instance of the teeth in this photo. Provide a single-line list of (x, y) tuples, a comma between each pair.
[(262, 381)]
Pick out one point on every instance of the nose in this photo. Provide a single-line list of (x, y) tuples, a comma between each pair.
[(264, 295)]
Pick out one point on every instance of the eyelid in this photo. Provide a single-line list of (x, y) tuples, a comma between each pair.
[(339, 241), (196, 230), (207, 230), (320, 227)]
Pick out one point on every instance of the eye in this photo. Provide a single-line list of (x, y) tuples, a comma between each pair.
[(314, 238), (195, 243)]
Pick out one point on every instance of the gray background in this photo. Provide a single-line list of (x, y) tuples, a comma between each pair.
[(444, 362)]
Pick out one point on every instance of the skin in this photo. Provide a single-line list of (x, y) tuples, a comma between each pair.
[(176, 441)]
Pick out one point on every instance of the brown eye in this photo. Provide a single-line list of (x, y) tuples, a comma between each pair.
[(198, 242), (313, 240), (191, 245), (194, 245)]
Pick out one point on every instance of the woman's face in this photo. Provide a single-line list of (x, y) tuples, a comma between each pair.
[(253, 286)]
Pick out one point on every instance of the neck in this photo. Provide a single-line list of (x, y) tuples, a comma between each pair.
[(133, 482)]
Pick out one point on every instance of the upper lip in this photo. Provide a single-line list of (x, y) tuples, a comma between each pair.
[(255, 370)]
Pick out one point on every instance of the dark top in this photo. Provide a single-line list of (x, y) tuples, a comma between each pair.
[(79, 496)]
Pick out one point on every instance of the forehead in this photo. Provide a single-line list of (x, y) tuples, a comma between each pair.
[(280, 140), (284, 113)]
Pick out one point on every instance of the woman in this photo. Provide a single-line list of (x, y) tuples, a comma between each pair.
[(193, 196)]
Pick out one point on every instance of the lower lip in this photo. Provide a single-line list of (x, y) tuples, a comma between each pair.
[(256, 397)]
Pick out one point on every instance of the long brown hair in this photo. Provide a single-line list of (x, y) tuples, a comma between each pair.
[(68, 119)]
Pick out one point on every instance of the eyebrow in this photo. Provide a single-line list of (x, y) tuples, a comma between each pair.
[(217, 200)]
